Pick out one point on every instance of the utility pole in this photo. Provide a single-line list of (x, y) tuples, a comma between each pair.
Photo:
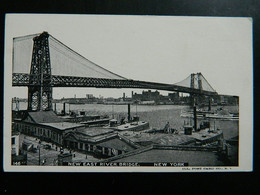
[(39, 155), (112, 110), (129, 115), (195, 117), (39, 147), (194, 113), (209, 108)]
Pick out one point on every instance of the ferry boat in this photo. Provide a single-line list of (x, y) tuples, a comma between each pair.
[(133, 125), (200, 113), (217, 114)]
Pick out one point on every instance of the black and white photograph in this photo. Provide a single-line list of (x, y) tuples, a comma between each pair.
[(98, 93)]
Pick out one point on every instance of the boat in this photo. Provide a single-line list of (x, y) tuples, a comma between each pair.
[(200, 113), (220, 113), (134, 125), (223, 115)]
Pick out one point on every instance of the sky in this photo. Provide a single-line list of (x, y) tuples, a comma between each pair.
[(164, 49)]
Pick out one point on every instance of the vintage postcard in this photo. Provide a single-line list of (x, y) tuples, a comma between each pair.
[(121, 93)]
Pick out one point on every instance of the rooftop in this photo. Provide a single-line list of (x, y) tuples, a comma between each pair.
[(63, 125), (44, 117), (117, 144), (202, 134), (131, 126), (158, 138), (94, 131), (192, 157)]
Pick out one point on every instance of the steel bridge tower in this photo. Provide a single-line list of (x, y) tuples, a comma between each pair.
[(196, 79), (40, 89)]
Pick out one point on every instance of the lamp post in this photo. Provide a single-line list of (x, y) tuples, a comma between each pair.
[(39, 147)]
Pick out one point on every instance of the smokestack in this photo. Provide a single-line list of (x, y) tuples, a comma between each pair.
[(195, 117), (55, 108), (124, 96), (129, 116), (17, 105), (132, 94), (64, 108)]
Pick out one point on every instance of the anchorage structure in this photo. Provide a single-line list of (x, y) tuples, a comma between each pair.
[(80, 73)]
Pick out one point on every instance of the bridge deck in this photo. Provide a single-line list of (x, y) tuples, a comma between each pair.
[(20, 79)]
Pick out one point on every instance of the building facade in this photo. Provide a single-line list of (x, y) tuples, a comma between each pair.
[(45, 126), (100, 141)]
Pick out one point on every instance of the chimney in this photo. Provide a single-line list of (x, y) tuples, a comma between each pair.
[(55, 108), (209, 104), (124, 96), (129, 116)]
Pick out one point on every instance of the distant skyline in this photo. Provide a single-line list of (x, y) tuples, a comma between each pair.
[(126, 96), (163, 49)]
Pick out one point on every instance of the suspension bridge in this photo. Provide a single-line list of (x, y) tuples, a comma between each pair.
[(41, 62)]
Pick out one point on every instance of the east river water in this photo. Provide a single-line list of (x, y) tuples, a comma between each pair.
[(156, 115)]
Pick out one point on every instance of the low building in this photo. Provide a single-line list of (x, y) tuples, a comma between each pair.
[(45, 125), (147, 96), (18, 157), (98, 140)]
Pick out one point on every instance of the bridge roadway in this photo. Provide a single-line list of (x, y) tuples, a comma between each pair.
[(20, 79)]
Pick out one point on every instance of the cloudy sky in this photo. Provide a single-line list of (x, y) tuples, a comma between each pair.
[(163, 49)]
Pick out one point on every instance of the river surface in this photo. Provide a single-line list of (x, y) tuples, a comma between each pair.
[(156, 115)]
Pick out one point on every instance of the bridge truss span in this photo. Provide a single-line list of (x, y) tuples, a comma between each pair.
[(69, 81)]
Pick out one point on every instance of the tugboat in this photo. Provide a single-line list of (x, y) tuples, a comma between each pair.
[(132, 124), (204, 134)]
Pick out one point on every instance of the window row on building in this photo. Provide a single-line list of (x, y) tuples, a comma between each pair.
[(93, 148), (40, 131)]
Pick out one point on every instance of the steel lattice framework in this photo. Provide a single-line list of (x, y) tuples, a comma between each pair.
[(68, 81), (40, 81), (39, 88)]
